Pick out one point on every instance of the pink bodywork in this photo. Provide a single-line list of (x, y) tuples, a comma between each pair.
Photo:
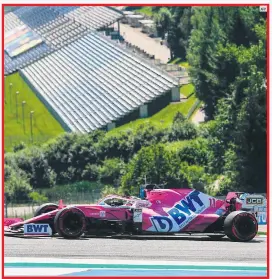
[(163, 210)]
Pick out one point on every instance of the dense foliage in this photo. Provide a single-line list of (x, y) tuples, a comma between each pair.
[(226, 50)]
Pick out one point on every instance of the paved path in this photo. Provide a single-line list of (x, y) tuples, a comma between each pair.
[(150, 45), (198, 117)]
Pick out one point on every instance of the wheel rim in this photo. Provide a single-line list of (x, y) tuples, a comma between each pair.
[(72, 223), (244, 227)]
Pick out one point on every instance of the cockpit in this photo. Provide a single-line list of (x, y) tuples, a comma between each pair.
[(114, 200), (118, 201)]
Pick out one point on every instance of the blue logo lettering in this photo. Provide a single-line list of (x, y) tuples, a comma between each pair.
[(181, 213), (195, 197), (262, 219), (37, 229), (162, 224), (178, 216), (40, 228), (29, 228)]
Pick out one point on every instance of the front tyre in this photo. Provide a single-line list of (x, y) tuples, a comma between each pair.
[(45, 208), (70, 222), (240, 226)]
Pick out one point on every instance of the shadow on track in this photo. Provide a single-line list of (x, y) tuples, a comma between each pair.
[(139, 237)]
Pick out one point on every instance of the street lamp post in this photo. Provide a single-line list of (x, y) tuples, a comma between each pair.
[(17, 94), (31, 125), (23, 112), (10, 87)]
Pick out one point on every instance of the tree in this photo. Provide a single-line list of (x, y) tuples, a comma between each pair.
[(212, 53), (111, 171), (163, 21), (203, 47), (17, 185), (153, 164), (241, 122), (179, 31)]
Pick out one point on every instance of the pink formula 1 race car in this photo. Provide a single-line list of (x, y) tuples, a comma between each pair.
[(158, 211)]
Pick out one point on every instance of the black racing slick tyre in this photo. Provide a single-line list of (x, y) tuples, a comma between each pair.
[(45, 208), (70, 222), (240, 226)]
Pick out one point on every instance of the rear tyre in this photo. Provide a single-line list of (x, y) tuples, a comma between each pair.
[(45, 208), (70, 222), (241, 226)]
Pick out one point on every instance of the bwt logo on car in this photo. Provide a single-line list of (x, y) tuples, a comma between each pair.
[(37, 229), (182, 213)]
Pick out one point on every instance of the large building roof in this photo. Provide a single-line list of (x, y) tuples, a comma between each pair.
[(57, 26), (93, 82)]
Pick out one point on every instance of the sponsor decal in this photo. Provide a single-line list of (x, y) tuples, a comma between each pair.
[(37, 229), (137, 215), (254, 200), (259, 208), (261, 218), (261, 214), (102, 214), (182, 213), (142, 204)]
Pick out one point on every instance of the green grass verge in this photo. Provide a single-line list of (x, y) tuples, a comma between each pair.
[(262, 233), (187, 90), (45, 126)]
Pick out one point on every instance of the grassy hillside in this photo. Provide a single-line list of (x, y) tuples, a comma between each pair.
[(45, 125)]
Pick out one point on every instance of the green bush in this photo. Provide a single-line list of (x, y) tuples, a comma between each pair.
[(195, 152), (179, 117), (147, 134), (17, 186), (109, 190), (35, 164), (182, 130), (117, 146), (90, 172), (38, 198), (111, 171), (19, 146), (153, 164)]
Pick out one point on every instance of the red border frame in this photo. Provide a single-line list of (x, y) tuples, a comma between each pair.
[(267, 131)]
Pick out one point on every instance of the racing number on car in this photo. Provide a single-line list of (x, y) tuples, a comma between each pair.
[(212, 202)]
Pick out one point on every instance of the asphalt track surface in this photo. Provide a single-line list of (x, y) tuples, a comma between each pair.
[(174, 248)]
